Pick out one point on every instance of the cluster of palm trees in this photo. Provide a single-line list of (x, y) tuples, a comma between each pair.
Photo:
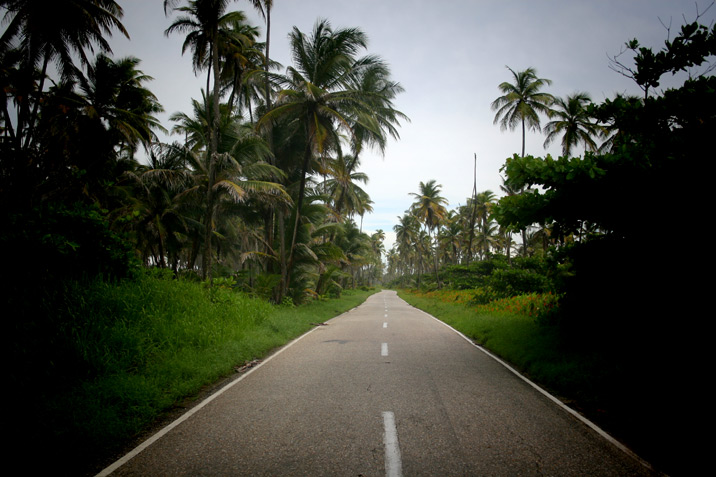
[(265, 179), (429, 235), (428, 232), (523, 101)]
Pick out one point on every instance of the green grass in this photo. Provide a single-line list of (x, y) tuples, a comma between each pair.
[(107, 360), (535, 350)]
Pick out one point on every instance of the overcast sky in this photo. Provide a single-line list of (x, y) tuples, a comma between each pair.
[(450, 56)]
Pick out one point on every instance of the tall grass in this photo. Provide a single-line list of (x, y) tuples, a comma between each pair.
[(101, 362)]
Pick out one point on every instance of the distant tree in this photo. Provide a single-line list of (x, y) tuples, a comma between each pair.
[(429, 208), (619, 197), (522, 102)]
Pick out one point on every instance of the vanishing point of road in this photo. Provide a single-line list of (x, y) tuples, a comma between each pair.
[(382, 390)]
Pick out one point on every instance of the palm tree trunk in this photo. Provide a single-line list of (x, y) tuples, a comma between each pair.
[(211, 164), (299, 204)]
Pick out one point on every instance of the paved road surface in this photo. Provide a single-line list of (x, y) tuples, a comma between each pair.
[(384, 389)]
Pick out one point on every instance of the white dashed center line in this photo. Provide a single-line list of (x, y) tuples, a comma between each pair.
[(384, 349), (393, 464)]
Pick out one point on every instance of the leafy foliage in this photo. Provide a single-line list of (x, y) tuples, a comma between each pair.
[(611, 199)]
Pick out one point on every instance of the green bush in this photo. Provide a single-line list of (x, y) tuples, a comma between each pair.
[(483, 296), (515, 281)]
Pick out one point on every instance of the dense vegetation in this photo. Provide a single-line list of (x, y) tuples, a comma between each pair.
[(583, 220), (264, 185)]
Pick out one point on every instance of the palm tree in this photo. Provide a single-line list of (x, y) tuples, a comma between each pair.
[(114, 92), (483, 204), (240, 56), (239, 169), (511, 191), (407, 232), (342, 189), (450, 237), (573, 123), (318, 99), (429, 208), (206, 25), (56, 32), (155, 206), (522, 102)]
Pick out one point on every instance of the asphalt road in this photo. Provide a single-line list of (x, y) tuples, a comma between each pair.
[(384, 389)]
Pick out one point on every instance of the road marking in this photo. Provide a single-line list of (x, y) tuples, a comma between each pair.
[(385, 316), (393, 464), (384, 349), (385, 325)]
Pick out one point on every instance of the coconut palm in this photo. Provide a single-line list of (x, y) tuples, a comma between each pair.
[(206, 24), (56, 31), (239, 170), (522, 102), (114, 92), (407, 233), (572, 123), (240, 55), (155, 206), (380, 120), (318, 101), (511, 191), (450, 237), (429, 208)]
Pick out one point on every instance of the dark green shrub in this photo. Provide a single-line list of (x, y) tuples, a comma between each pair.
[(515, 281)]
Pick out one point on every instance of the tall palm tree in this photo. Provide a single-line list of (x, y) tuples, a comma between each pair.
[(522, 102), (158, 221), (407, 232), (483, 204), (572, 123), (239, 170), (507, 230), (240, 54), (450, 237), (318, 100), (56, 32), (429, 207), (206, 24), (114, 92)]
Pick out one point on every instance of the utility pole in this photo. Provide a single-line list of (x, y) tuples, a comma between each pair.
[(474, 210)]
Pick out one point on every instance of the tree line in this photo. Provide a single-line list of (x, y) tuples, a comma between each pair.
[(475, 231), (264, 185), (598, 218)]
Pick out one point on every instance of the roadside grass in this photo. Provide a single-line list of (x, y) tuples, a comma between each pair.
[(516, 337), (109, 359)]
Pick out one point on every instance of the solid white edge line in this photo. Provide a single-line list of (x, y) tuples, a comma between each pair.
[(134, 452), (393, 464), (559, 403)]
